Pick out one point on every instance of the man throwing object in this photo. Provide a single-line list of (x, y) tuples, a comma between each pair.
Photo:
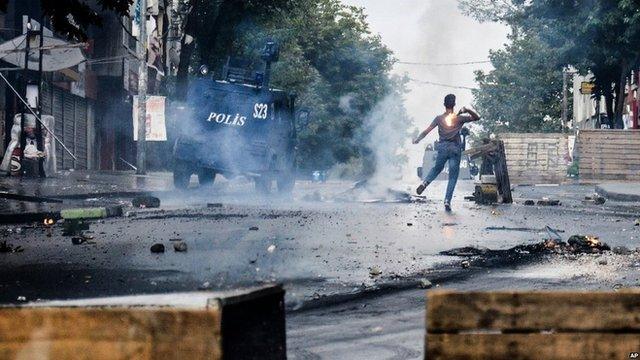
[(449, 146)]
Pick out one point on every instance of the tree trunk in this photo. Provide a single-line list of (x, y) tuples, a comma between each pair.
[(186, 51), (620, 87), (608, 101)]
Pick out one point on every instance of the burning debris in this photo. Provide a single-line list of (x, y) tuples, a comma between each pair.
[(577, 244), (586, 244)]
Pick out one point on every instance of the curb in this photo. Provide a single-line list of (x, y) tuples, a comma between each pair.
[(617, 196)]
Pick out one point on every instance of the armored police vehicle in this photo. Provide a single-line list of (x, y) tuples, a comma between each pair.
[(238, 126)]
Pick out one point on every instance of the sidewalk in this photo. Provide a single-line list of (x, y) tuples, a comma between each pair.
[(25, 200), (629, 192)]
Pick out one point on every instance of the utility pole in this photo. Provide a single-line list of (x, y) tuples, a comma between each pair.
[(141, 153), (565, 100)]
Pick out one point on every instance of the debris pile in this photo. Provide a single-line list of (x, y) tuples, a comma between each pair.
[(363, 191), (586, 244), (594, 199)]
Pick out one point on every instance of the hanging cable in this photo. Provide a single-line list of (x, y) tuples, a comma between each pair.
[(443, 64), (441, 85)]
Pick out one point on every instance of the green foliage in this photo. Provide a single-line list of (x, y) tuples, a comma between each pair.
[(523, 93), (600, 36)]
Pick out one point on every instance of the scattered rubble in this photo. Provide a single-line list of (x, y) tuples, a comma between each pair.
[(271, 248), (74, 227), (364, 191), (425, 284), (375, 271), (157, 248), (180, 246), (465, 264), (145, 201), (621, 250), (594, 199), (548, 202)]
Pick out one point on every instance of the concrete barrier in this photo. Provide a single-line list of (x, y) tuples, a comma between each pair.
[(609, 155), (243, 324), (533, 325)]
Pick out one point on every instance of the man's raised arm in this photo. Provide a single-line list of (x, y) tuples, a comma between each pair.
[(474, 115), (424, 133)]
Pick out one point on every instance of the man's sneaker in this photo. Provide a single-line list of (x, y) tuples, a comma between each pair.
[(447, 207), (421, 188)]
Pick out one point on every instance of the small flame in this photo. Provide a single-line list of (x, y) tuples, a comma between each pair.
[(48, 222), (449, 119), (593, 241)]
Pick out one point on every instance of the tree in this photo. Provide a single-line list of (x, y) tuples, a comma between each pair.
[(328, 56), (597, 36), (523, 92), (72, 18), (214, 25)]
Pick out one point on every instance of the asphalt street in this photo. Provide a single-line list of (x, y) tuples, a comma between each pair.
[(350, 264)]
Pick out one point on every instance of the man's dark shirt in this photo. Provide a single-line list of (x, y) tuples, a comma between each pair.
[(449, 126)]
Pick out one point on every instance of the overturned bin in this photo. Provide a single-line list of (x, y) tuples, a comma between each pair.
[(533, 325), (240, 324)]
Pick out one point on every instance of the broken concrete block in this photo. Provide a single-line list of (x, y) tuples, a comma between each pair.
[(145, 201), (180, 246), (157, 248), (425, 284), (375, 271)]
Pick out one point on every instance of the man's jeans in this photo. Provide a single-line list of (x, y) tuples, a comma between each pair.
[(447, 151)]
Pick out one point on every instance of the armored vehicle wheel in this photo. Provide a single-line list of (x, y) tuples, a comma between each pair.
[(206, 176), (286, 182), (263, 185), (181, 174)]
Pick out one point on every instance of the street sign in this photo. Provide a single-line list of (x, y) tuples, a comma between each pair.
[(587, 88)]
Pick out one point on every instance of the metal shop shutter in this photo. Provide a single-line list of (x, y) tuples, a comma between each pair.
[(69, 129), (57, 112), (81, 132)]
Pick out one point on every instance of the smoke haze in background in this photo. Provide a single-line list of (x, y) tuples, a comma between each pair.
[(431, 31)]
